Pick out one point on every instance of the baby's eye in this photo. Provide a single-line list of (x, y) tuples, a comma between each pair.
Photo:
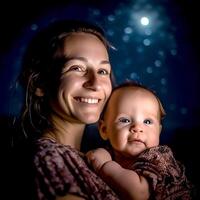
[(148, 121), (124, 120), (103, 72)]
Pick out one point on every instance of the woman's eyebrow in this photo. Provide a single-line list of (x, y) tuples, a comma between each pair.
[(105, 62), (83, 59)]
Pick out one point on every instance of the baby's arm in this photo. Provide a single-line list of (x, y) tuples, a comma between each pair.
[(127, 183)]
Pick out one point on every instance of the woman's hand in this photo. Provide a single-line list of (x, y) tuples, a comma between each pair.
[(97, 158)]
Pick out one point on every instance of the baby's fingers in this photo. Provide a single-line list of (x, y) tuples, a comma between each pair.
[(93, 161)]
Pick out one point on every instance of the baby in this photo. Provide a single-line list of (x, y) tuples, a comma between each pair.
[(136, 166)]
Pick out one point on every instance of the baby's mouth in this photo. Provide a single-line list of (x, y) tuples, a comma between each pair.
[(136, 140)]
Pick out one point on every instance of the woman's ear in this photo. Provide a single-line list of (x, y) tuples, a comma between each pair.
[(102, 129), (39, 92)]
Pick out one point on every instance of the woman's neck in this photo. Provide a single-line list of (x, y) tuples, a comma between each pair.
[(65, 132)]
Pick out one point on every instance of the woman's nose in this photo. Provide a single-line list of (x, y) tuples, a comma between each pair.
[(92, 82)]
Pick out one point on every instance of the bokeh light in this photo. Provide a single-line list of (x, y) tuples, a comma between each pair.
[(144, 21)]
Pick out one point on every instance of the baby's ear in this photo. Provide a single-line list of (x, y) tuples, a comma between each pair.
[(102, 129), (160, 128), (39, 92)]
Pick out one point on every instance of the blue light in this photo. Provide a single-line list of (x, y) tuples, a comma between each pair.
[(144, 21)]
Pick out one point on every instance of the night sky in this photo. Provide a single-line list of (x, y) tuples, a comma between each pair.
[(162, 54), (157, 44)]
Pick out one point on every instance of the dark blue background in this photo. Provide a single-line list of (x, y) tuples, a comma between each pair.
[(163, 56)]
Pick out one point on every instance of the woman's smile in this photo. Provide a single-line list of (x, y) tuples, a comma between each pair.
[(87, 100)]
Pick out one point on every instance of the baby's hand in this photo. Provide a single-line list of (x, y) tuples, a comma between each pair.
[(98, 157)]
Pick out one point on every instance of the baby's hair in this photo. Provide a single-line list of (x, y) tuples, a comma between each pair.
[(138, 85)]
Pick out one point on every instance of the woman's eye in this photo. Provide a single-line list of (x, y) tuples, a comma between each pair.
[(76, 68), (124, 120), (147, 121), (103, 72)]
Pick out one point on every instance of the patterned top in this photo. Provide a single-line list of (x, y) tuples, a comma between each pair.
[(61, 170), (165, 175)]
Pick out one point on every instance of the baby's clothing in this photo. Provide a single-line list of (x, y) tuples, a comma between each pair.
[(165, 175)]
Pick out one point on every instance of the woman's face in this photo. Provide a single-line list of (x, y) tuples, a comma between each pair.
[(85, 83)]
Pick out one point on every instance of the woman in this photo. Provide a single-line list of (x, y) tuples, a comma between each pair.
[(67, 77)]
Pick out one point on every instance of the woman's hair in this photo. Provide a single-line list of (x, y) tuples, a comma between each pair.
[(135, 84), (41, 69)]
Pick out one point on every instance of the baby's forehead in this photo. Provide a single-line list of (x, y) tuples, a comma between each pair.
[(147, 97), (131, 94)]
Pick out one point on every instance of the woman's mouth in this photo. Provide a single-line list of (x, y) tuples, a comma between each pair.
[(87, 100)]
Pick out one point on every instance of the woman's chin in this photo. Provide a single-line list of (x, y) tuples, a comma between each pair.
[(90, 119)]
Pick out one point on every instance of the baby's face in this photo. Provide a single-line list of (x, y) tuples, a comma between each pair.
[(132, 120)]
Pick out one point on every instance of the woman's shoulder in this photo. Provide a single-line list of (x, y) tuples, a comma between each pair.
[(66, 169), (50, 147), (48, 152)]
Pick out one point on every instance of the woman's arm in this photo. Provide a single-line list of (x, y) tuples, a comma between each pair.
[(127, 183)]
